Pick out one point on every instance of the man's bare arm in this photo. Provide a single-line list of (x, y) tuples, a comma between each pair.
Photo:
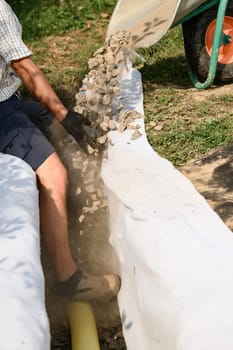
[(34, 79)]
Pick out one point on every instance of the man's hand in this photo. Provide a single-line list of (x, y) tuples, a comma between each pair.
[(74, 124)]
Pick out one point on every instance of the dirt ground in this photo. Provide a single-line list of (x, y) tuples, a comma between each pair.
[(212, 175)]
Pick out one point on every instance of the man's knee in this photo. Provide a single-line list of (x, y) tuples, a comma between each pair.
[(52, 173)]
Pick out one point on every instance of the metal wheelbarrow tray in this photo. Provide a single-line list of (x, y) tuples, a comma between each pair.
[(207, 31)]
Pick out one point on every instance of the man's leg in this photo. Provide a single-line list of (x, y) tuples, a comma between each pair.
[(52, 178)]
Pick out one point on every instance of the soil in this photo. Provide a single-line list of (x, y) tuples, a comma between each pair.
[(212, 176), (109, 339)]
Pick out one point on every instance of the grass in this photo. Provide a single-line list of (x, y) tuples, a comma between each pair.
[(178, 143), (181, 124), (42, 18), (189, 128)]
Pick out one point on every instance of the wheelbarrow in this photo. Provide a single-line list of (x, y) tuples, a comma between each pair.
[(207, 32)]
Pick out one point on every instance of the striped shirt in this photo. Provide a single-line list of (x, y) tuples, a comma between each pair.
[(12, 48)]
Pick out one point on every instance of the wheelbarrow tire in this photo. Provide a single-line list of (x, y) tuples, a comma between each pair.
[(194, 34)]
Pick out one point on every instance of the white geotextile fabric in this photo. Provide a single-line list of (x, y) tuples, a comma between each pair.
[(23, 318), (175, 253)]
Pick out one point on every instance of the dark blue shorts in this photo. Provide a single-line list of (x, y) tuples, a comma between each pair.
[(24, 130)]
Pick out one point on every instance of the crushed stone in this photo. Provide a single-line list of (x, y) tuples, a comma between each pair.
[(98, 98)]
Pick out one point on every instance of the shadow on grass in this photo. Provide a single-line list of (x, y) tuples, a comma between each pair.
[(29, 5), (167, 71)]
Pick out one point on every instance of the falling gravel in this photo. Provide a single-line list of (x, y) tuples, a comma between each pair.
[(99, 100)]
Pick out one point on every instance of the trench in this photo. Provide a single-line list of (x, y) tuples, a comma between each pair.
[(99, 100)]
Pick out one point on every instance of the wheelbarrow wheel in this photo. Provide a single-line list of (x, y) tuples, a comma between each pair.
[(198, 34)]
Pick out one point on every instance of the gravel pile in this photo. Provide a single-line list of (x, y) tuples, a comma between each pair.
[(99, 97)]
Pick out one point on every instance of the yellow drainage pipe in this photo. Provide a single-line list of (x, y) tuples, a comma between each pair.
[(83, 328)]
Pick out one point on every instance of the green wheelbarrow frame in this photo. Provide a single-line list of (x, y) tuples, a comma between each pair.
[(219, 39)]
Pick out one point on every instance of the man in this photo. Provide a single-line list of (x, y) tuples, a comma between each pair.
[(23, 131)]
